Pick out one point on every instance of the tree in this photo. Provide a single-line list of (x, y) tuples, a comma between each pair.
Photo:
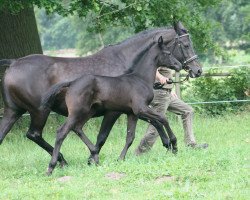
[(19, 35)]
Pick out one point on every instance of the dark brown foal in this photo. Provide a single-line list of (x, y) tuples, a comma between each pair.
[(130, 93)]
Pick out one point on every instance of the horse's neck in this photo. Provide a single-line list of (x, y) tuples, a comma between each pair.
[(147, 66)]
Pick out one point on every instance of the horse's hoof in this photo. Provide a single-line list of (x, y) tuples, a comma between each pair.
[(63, 163)]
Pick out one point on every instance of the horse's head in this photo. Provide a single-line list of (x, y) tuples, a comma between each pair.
[(181, 47), (166, 58)]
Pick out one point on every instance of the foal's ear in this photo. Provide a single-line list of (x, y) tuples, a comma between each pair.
[(160, 41)]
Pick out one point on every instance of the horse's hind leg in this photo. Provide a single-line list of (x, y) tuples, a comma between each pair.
[(132, 121), (9, 118), (107, 123), (34, 133)]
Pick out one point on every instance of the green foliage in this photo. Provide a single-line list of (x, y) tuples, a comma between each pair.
[(209, 88), (230, 22), (139, 14), (56, 32), (89, 41)]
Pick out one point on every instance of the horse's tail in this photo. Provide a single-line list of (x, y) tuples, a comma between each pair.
[(49, 98), (6, 62)]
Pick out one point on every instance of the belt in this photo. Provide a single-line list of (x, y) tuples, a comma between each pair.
[(166, 89)]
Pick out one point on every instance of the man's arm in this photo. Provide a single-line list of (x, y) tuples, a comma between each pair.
[(162, 79)]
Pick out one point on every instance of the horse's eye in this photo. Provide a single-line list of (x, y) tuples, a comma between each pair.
[(186, 45)]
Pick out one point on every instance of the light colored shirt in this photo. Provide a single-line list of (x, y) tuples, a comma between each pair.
[(168, 74)]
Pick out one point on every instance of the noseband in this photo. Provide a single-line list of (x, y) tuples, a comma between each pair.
[(178, 42)]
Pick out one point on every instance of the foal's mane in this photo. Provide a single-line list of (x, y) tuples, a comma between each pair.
[(138, 58)]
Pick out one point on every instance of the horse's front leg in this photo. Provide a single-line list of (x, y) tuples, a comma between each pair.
[(131, 125), (108, 121)]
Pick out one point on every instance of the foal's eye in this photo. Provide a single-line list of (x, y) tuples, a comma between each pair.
[(186, 45)]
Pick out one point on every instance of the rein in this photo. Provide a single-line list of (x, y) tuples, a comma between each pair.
[(158, 85)]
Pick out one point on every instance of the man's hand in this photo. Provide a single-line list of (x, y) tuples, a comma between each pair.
[(162, 79)]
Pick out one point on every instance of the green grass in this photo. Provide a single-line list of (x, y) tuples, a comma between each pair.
[(220, 172)]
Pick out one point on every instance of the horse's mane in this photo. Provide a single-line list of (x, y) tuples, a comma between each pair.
[(139, 35)]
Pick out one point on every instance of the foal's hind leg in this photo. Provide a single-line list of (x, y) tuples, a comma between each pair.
[(132, 121), (62, 132), (34, 133), (78, 130), (9, 118), (107, 123)]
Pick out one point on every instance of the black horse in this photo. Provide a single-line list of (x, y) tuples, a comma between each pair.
[(130, 93), (29, 78)]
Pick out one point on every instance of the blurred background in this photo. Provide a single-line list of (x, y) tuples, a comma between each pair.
[(220, 31)]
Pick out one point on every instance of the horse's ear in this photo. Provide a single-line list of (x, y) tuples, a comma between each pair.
[(179, 28), (160, 41)]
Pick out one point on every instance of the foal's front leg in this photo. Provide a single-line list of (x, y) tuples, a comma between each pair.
[(156, 120), (108, 121), (131, 125)]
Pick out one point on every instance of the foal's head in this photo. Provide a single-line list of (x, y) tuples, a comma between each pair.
[(166, 58)]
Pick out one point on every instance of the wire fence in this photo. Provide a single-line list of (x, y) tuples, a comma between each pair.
[(213, 74), (216, 102)]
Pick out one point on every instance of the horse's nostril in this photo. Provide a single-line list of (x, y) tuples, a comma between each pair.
[(199, 71)]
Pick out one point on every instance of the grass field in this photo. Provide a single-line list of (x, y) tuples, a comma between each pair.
[(220, 172)]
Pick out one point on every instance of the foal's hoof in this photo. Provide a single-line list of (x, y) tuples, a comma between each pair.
[(174, 150), (93, 159), (49, 171), (121, 158), (168, 146)]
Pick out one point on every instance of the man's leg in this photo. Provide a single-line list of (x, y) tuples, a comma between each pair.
[(179, 107), (159, 104)]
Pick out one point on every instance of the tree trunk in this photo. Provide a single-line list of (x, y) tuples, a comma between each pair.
[(18, 34)]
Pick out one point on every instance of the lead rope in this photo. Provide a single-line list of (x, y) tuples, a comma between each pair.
[(158, 85)]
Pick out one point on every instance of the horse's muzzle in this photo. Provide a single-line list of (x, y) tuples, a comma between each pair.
[(196, 74)]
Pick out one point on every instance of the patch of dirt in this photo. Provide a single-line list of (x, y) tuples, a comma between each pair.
[(115, 175), (64, 179), (164, 178)]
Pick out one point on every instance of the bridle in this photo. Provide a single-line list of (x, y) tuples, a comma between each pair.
[(176, 43)]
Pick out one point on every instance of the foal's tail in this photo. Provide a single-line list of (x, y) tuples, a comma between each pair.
[(6, 62), (49, 98)]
